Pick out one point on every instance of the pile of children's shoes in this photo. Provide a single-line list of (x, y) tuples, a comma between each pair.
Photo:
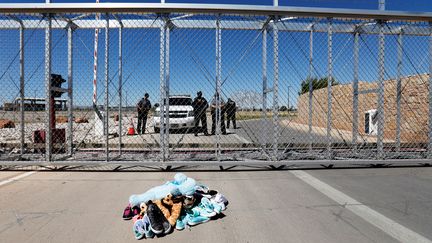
[(176, 204)]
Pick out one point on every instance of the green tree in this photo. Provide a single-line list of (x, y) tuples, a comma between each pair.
[(316, 84)]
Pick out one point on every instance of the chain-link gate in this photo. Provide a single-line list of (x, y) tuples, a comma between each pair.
[(244, 85)]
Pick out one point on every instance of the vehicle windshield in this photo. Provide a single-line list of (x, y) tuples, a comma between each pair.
[(180, 101)]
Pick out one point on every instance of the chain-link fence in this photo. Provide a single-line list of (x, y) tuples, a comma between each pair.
[(189, 86)]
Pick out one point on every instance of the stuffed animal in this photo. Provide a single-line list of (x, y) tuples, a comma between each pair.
[(175, 203), (181, 185), (171, 207), (163, 208), (143, 208)]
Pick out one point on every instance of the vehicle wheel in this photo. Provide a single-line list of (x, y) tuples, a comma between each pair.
[(156, 129)]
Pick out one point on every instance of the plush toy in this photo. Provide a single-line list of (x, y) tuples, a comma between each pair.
[(175, 203), (143, 208), (163, 208), (171, 207), (181, 185)]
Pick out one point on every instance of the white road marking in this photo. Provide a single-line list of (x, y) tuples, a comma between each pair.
[(392, 228), (17, 178)]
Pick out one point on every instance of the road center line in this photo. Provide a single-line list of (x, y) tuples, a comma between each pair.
[(15, 178), (392, 228)]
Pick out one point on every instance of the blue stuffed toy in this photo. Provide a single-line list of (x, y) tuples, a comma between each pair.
[(181, 185)]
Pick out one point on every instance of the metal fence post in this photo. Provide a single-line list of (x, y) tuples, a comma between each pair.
[(381, 70), (329, 87), (381, 5), (218, 86), (48, 118), (429, 154), (120, 84), (355, 90), (167, 85), (162, 91), (275, 89), (22, 88), (310, 88), (70, 89), (264, 83), (399, 90), (107, 87)]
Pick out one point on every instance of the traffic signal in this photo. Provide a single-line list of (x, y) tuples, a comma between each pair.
[(56, 82)]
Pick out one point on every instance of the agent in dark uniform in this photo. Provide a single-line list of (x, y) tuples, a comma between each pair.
[(143, 108), (200, 106), (230, 108), (222, 114)]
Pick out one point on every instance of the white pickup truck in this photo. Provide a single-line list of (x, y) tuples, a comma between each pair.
[(181, 115)]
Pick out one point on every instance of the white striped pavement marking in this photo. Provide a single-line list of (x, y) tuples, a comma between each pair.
[(392, 228), (17, 178)]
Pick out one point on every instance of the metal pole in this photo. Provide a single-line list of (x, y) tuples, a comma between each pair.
[(329, 87), (48, 117), (381, 5), (399, 91), (162, 91), (106, 87), (70, 90), (167, 84), (288, 101), (218, 86), (120, 84), (355, 90), (22, 88), (310, 110), (381, 70), (275, 89), (264, 83), (429, 154), (97, 114)]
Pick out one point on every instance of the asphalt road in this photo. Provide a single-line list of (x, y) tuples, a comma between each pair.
[(265, 206), (259, 131)]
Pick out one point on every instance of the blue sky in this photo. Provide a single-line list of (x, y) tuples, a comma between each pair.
[(402, 5), (193, 57)]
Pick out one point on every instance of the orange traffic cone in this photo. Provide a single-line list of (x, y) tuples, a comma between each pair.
[(131, 129)]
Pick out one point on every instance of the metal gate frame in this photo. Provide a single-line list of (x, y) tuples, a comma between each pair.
[(275, 23)]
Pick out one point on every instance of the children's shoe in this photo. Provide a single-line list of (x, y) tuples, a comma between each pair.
[(221, 200), (167, 226), (148, 232), (136, 218), (138, 229), (218, 208), (189, 202), (181, 222), (204, 191), (136, 210), (204, 211), (205, 208), (180, 225), (198, 219), (127, 213), (155, 218)]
